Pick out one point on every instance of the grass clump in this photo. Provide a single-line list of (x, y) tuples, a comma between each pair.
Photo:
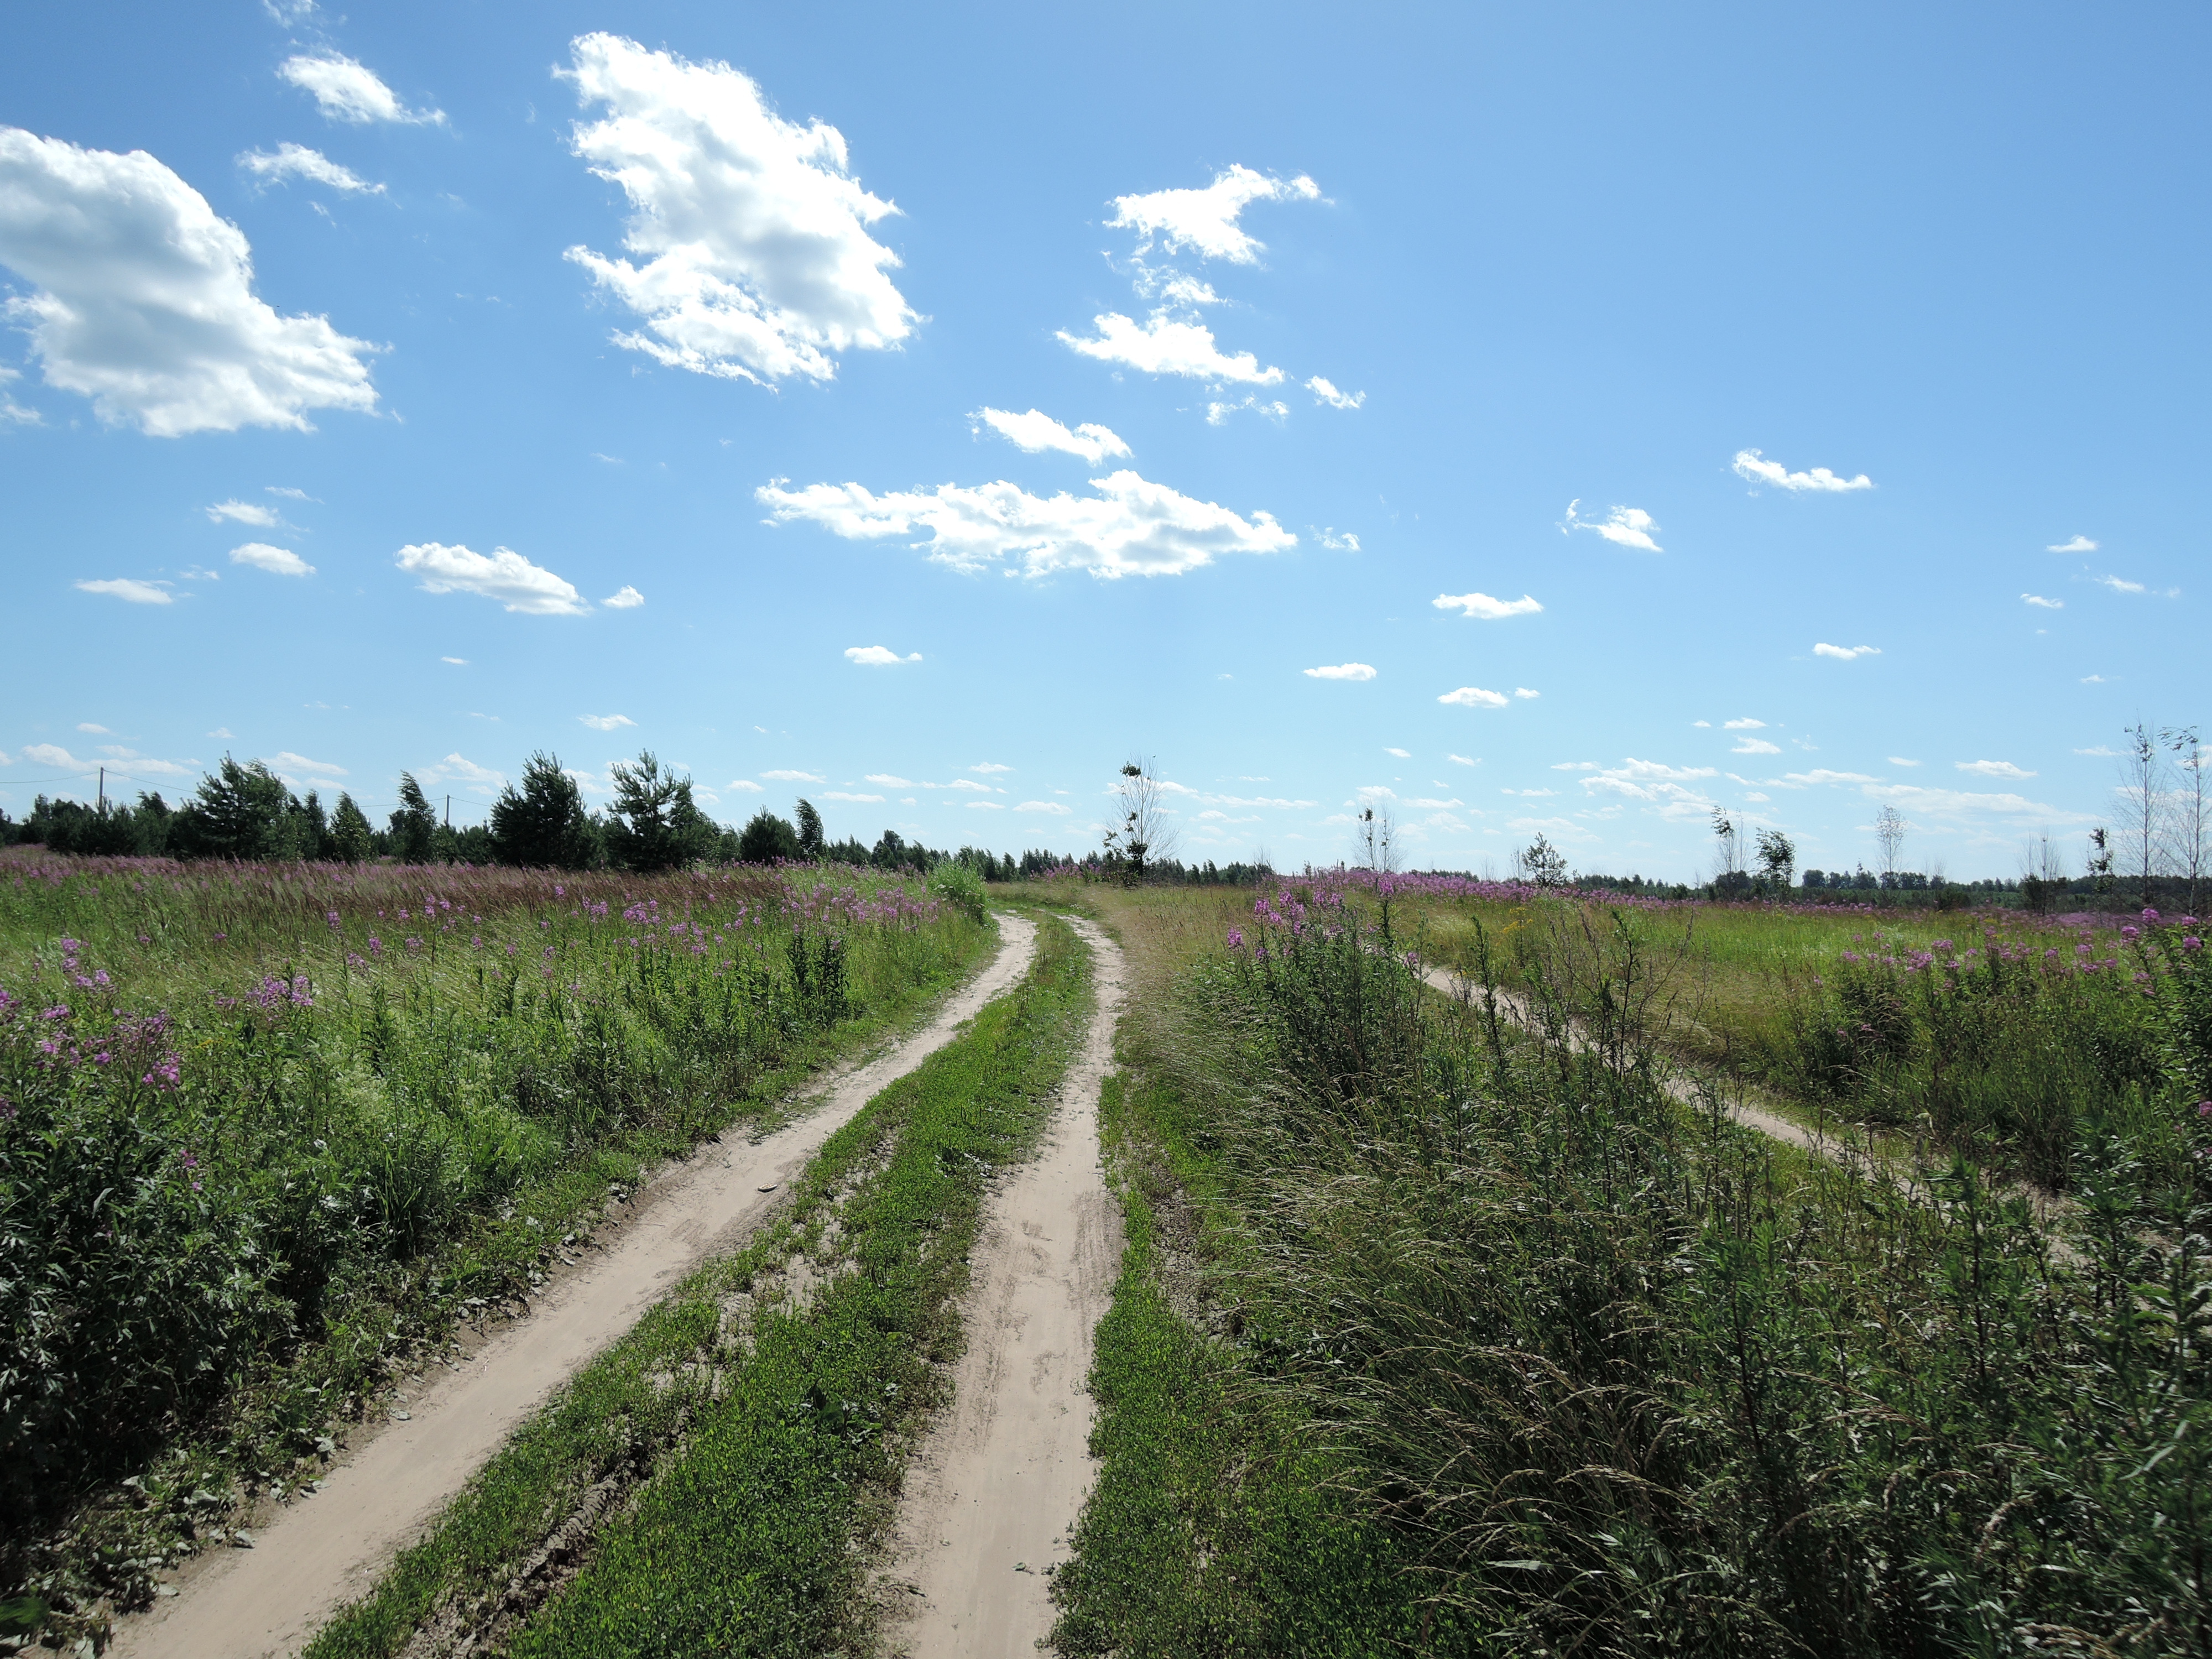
[(751, 1438), (268, 1131), (1569, 1367)]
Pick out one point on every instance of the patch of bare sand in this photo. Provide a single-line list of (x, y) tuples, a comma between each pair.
[(1000, 1477), (316, 1555)]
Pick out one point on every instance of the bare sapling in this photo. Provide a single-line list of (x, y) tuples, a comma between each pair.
[(2143, 797), (1890, 830), (2190, 806), (1142, 835)]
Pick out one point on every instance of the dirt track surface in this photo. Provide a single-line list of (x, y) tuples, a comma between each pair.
[(1000, 1478), (320, 1553)]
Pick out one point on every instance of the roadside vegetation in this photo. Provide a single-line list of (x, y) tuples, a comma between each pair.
[(268, 1132), (718, 1482), (1440, 1332)]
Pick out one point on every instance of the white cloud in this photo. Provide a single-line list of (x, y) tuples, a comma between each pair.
[(1821, 774), (96, 731), (1529, 793), (1462, 760), (251, 512), (2119, 585), (298, 162), (1900, 760), (623, 598), (988, 769), (1474, 697), (1624, 526), (1205, 220), (301, 763), (1846, 652), (890, 780), (2077, 545), (1954, 803), (606, 722), (745, 785), (1483, 606), (145, 300), (1989, 769), (1051, 806), (9, 409), (1401, 753), (1343, 671), (986, 789), (878, 656), (129, 589), (1749, 465), (1747, 724), (458, 662), (1037, 431), (1129, 528), (1329, 538), (504, 575), (2102, 750), (758, 264), (1166, 345), (857, 800), (277, 561), (2037, 600), (985, 806), (1756, 746), (223, 731), (1524, 693), (795, 777), (1218, 414), (1324, 393), (2087, 679), (344, 90), (50, 754), (458, 768)]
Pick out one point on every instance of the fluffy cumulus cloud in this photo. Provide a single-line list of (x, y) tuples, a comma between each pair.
[(1481, 605), (287, 162), (1751, 746), (344, 90), (1163, 345), (1751, 467), (1343, 671), (2042, 604), (144, 299), (1036, 431), (1672, 789), (1747, 724), (2073, 544), (128, 589), (847, 795), (989, 769), (1325, 393), (787, 776), (751, 256), (1129, 528), (1052, 808), (623, 598), (252, 513), (2119, 585), (1846, 652), (1989, 769), (1525, 694), (1204, 221), (878, 656), (277, 560), (503, 575), (1474, 697), (290, 762), (609, 723), (1624, 526)]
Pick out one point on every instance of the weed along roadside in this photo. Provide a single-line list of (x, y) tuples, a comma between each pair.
[(720, 1479), (282, 1143)]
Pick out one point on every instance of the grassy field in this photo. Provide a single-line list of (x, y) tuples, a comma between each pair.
[(1438, 1337), (268, 1132)]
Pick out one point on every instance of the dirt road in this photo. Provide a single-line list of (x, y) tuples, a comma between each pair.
[(321, 1552), (998, 1482)]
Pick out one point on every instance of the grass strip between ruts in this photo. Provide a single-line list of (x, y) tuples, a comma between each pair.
[(744, 1454)]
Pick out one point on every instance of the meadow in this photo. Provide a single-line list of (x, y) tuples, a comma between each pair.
[(268, 1132), (1440, 1333)]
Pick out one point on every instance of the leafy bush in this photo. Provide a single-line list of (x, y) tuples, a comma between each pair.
[(959, 886)]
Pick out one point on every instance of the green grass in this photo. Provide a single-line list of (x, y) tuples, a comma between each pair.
[(297, 1123), (755, 1444)]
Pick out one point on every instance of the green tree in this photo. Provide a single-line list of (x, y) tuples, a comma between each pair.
[(237, 812), (1778, 858), (542, 824), (809, 830), (350, 831), (767, 838), (413, 827), (656, 825)]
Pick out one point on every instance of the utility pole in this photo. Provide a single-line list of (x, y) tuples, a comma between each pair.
[(449, 811), (103, 792)]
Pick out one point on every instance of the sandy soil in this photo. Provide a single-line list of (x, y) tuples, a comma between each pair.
[(1000, 1479), (318, 1554)]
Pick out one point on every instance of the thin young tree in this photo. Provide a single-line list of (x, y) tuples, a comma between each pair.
[(1730, 843), (1778, 858), (542, 824), (2192, 806), (1540, 863), (1378, 840), (809, 830), (1142, 835), (2143, 794), (1890, 830)]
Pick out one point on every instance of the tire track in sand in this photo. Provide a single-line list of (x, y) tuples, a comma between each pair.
[(317, 1554), (1000, 1477)]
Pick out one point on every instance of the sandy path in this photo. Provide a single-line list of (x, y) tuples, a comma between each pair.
[(1000, 1479), (316, 1554)]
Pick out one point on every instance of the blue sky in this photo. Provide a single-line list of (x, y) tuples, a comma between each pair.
[(421, 387)]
